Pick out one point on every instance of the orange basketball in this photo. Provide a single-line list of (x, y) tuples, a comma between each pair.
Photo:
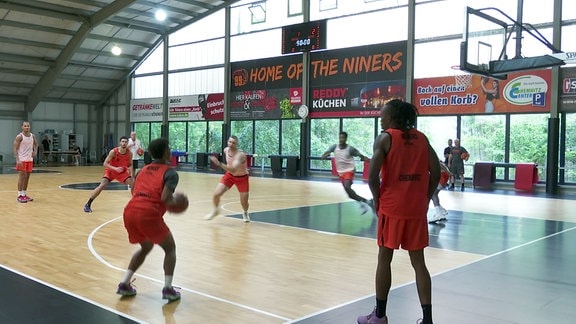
[(464, 156), (180, 203), (140, 151)]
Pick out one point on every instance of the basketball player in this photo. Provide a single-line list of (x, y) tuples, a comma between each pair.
[(143, 218), (133, 146), (25, 148), (456, 164), (404, 173), (117, 166), (236, 174), (439, 211), (344, 159)]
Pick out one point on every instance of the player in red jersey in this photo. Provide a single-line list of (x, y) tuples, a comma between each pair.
[(117, 166), (404, 173), (153, 190)]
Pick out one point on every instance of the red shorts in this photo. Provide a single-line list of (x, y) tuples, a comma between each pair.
[(119, 176), (410, 234), (444, 176), (346, 176), (241, 182), (26, 166), (145, 225)]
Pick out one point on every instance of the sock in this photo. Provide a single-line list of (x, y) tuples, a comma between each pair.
[(23, 192), (168, 281), (127, 276), (89, 203), (20, 193), (381, 307), (427, 314)]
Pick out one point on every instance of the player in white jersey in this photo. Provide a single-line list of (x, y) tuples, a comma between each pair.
[(25, 149), (236, 174), (344, 159)]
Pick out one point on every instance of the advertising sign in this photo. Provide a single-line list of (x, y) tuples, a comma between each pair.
[(357, 81), (180, 108), (568, 93), (521, 92)]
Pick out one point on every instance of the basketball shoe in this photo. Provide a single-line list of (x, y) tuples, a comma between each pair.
[(87, 209), (22, 199), (444, 211), (213, 214), (170, 293), (246, 217), (372, 319), (28, 198), (126, 289)]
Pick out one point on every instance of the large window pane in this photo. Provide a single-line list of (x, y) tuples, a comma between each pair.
[(570, 151), (197, 137), (438, 130), (143, 133), (291, 137), (324, 132), (177, 135), (267, 138), (528, 140), (361, 134), (483, 136), (155, 130), (215, 136), (244, 130)]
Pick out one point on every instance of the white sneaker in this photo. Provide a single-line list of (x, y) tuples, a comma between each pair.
[(213, 214), (246, 217), (444, 211), (436, 218)]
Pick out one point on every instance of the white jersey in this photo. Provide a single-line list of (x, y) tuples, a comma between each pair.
[(26, 148), (344, 158), (134, 149)]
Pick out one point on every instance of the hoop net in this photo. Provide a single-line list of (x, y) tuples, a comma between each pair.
[(462, 78)]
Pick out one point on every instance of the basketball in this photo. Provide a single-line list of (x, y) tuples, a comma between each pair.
[(140, 151), (464, 156), (181, 203)]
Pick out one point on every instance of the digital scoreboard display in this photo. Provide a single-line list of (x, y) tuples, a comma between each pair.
[(304, 37)]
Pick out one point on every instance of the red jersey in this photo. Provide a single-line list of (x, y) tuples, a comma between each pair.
[(121, 160), (147, 192), (405, 176)]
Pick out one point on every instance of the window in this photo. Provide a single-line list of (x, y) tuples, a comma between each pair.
[(177, 136), (438, 130), (483, 136), (290, 137), (197, 137), (570, 149), (267, 138), (294, 7), (528, 140), (328, 4), (244, 130), (143, 134), (215, 137), (258, 12), (324, 132)]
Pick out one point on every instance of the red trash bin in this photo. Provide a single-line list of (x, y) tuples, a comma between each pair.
[(366, 170), (526, 176)]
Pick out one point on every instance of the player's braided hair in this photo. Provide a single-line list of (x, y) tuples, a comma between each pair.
[(402, 113)]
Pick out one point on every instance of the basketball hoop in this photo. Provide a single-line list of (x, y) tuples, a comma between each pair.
[(462, 78)]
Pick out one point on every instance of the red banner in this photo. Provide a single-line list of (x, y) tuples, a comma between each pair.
[(521, 92)]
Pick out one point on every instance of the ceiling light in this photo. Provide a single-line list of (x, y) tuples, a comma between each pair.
[(116, 50), (160, 15)]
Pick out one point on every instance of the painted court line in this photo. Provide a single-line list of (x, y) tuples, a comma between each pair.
[(99, 258)]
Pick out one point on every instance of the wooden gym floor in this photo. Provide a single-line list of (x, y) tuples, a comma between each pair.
[(308, 256)]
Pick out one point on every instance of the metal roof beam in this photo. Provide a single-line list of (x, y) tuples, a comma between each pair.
[(99, 66), (198, 4), (26, 59), (45, 10), (65, 56)]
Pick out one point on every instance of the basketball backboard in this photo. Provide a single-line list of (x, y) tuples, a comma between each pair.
[(487, 36)]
